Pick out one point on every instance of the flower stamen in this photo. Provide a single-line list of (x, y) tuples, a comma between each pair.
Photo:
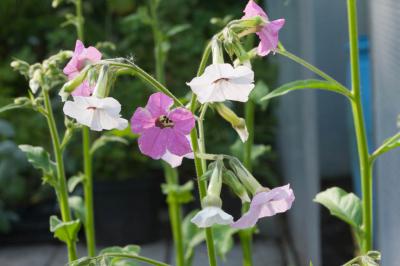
[(164, 122)]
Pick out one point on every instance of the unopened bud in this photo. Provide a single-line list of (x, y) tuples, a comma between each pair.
[(101, 89), (35, 81), (217, 52), (247, 179), (22, 100), (72, 84), (233, 182), (215, 184), (238, 123)]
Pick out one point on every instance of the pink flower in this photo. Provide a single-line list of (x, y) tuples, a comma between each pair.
[(266, 204), (163, 132), (80, 58), (269, 33)]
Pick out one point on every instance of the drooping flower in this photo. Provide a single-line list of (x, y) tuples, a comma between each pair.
[(221, 82), (269, 33), (96, 113), (163, 132), (81, 57), (211, 215), (267, 203)]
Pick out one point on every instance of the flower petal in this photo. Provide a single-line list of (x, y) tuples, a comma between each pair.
[(153, 142), (265, 204), (183, 120), (211, 215), (178, 143), (269, 38), (141, 120), (172, 159), (83, 90), (252, 9), (159, 104)]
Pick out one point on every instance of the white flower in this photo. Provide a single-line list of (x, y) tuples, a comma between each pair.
[(96, 113), (211, 215), (221, 82)]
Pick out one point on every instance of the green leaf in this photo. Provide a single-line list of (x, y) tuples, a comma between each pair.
[(84, 261), (258, 92), (103, 140), (306, 84), (73, 181), (128, 250), (78, 207), (176, 193), (177, 29), (65, 231), (345, 206), (40, 159), (223, 239)]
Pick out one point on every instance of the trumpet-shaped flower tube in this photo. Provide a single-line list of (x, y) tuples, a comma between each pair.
[(211, 215), (96, 113), (221, 82), (268, 34), (163, 132), (266, 203)]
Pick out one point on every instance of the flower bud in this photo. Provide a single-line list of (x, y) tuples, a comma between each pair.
[(215, 184), (233, 182), (36, 80), (247, 179), (71, 85), (238, 123), (22, 101), (101, 89), (217, 52)]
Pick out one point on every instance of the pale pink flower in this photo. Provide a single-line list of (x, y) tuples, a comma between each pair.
[(211, 215), (268, 34), (81, 57), (267, 203), (163, 132)]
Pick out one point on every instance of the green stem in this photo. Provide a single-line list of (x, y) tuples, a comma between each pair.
[(88, 194), (362, 144), (61, 188), (200, 164), (309, 67), (246, 235), (171, 174), (87, 158), (175, 215)]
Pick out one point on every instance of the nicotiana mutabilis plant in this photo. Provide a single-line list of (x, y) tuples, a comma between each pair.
[(171, 128)]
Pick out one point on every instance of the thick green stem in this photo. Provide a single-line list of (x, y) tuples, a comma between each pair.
[(61, 188), (246, 235), (88, 194), (175, 215), (200, 164), (87, 158), (359, 125)]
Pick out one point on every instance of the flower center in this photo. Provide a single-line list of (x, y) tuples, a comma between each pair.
[(220, 79), (91, 108), (164, 122)]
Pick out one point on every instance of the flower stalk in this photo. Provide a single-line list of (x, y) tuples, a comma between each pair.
[(61, 188), (87, 158)]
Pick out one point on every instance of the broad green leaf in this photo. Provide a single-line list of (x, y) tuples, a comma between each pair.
[(84, 261), (305, 84), (40, 159), (78, 207), (178, 193), (258, 92), (223, 239), (103, 140), (177, 29), (73, 181), (65, 231), (345, 206), (115, 261)]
